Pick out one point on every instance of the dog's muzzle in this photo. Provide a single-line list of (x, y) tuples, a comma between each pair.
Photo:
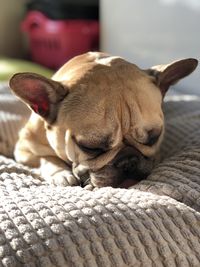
[(129, 163), (126, 160)]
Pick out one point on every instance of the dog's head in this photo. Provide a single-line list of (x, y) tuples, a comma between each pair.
[(103, 113)]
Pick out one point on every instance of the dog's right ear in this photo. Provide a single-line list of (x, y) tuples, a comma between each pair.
[(169, 74), (41, 94)]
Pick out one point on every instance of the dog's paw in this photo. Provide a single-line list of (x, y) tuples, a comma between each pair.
[(63, 178), (89, 187)]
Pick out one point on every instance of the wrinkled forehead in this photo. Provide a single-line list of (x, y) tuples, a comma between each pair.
[(85, 113), (102, 87)]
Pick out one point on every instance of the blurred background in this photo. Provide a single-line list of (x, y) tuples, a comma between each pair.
[(146, 32)]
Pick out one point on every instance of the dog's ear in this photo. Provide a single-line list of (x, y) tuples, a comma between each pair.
[(167, 75), (41, 94)]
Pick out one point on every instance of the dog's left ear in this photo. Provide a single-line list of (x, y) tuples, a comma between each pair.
[(167, 75), (41, 94)]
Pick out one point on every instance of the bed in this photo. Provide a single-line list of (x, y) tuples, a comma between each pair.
[(154, 223)]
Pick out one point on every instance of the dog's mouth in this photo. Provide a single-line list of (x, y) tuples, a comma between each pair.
[(109, 177), (123, 171), (121, 177)]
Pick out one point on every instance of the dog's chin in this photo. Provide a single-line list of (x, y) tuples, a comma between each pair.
[(109, 176), (124, 173), (135, 171)]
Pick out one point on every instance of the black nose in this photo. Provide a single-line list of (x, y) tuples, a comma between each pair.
[(127, 159), (127, 164)]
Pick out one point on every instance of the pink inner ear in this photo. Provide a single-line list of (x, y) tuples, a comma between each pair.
[(41, 107), (37, 97)]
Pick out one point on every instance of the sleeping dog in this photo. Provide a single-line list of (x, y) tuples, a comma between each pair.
[(98, 121)]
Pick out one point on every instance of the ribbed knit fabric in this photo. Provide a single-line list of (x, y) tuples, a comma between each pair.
[(156, 223), (13, 114)]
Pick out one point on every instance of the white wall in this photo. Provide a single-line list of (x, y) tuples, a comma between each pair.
[(150, 32)]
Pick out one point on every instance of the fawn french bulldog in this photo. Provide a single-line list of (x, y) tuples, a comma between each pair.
[(98, 121)]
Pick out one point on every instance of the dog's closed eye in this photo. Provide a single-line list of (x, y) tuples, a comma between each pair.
[(91, 150), (153, 136)]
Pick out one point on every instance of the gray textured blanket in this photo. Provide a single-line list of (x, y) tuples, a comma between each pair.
[(155, 223)]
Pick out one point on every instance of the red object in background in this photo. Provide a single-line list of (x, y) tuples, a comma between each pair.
[(53, 42)]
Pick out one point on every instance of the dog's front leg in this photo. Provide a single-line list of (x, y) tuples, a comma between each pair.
[(56, 171)]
